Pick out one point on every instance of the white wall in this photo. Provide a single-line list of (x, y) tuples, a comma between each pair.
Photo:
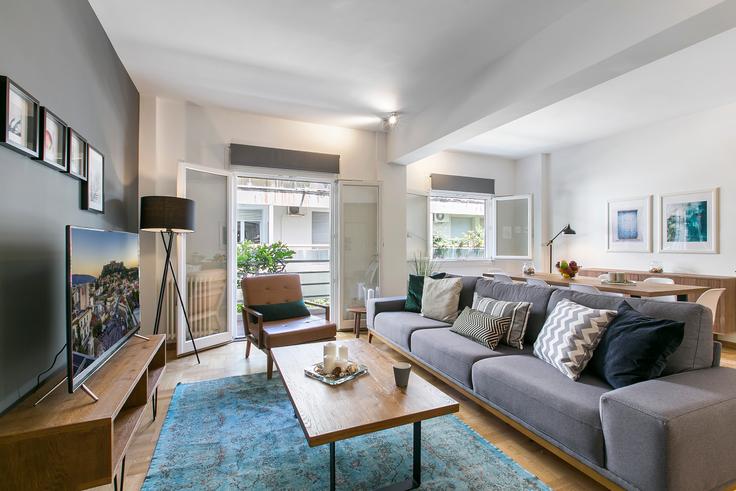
[(174, 131), (501, 169), (532, 177), (691, 153)]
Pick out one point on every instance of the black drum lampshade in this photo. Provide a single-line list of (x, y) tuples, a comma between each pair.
[(167, 214)]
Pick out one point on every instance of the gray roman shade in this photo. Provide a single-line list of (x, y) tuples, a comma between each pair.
[(280, 158), (462, 184)]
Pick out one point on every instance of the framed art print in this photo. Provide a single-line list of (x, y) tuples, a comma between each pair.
[(76, 155), (20, 119), (52, 148), (93, 189), (689, 222), (630, 225)]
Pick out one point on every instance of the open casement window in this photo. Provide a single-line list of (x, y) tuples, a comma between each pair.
[(512, 231)]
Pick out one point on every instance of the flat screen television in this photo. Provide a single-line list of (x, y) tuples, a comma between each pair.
[(103, 298)]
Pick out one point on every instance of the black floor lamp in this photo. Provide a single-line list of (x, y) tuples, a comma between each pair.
[(168, 215), (567, 231)]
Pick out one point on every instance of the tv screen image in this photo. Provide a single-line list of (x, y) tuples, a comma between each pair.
[(103, 297)]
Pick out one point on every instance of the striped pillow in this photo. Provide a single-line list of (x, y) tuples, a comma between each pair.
[(517, 311), (482, 328)]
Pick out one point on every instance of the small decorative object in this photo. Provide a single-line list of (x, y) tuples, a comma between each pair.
[(342, 352), (402, 371), (93, 189), (656, 267), (52, 148), (568, 269), (617, 277), (689, 222), (629, 225), (77, 155), (528, 269), (343, 371), (20, 119)]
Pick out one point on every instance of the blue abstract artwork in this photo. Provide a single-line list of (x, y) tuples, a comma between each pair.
[(687, 222), (627, 225)]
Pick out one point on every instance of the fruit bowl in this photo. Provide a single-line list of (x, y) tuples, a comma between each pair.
[(568, 269)]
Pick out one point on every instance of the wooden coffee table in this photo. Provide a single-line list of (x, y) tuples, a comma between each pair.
[(369, 403)]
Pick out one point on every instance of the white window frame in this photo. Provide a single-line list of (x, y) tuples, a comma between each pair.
[(489, 225)]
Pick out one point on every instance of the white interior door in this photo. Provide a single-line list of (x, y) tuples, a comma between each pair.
[(512, 237), (357, 245), (206, 259)]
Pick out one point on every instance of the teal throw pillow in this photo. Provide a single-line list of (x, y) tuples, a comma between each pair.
[(280, 311)]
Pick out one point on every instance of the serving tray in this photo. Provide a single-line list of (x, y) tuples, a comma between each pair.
[(311, 371)]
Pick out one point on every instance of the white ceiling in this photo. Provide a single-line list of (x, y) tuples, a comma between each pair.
[(343, 62), (699, 77)]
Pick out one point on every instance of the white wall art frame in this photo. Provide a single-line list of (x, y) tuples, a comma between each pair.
[(630, 225), (689, 222)]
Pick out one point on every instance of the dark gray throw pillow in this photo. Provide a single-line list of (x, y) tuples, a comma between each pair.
[(482, 328), (635, 347)]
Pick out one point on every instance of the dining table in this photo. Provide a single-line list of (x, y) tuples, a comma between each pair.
[(637, 289)]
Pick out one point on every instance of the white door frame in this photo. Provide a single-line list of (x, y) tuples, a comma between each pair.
[(338, 253), (182, 345)]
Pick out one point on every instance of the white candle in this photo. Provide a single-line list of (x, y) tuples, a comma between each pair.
[(341, 364), (330, 349), (342, 353), (328, 362)]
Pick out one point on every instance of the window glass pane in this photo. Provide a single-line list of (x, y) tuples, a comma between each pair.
[(458, 227), (416, 226), (512, 227), (320, 227)]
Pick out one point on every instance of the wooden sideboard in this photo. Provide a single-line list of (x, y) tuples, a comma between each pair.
[(68, 441), (725, 318)]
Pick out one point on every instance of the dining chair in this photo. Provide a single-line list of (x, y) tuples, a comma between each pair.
[(710, 299), (502, 278), (536, 282), (662, 281), (604, 277), (593, 290)]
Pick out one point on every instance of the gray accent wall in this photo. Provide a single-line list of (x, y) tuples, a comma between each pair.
[(57, 51)]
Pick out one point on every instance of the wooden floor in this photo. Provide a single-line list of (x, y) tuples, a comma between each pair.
[(229, 360)]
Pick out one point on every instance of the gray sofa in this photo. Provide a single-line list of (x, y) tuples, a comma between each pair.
[(677, 432)]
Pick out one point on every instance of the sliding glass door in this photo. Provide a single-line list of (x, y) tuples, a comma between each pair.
[(206, 259)]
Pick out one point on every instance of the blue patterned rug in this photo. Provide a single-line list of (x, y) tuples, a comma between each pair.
[(240, 433)]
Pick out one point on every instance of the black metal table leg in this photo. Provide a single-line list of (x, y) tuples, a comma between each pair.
[(332, 466), (417, 465), (682, 298), (154, 403)]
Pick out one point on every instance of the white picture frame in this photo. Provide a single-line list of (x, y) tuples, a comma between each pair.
[(629, 225), (689, 222)]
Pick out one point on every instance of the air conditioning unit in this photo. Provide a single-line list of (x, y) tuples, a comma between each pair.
[(294, 211), (441, 218)]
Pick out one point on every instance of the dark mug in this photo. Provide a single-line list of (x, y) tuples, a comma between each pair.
[(401, 373)]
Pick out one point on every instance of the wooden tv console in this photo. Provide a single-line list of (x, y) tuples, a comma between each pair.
[(68, 441)]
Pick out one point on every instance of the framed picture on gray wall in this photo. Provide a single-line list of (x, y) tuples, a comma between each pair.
[(76, 155), (52, 148), (93, 189), (19, 111), (630, 225), (689, 222)]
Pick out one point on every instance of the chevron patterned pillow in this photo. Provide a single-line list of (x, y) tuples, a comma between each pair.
[(570, 335), (517, 311), (482, 328)]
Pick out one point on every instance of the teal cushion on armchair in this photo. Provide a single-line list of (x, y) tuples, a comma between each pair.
[(280, 311)]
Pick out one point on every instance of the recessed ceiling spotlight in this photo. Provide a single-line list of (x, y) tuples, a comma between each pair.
[(390, 121)]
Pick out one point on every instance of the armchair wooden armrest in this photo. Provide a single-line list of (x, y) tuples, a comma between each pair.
[(326, 307), (253, 316)]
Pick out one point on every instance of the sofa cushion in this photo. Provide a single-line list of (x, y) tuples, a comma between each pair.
[(635, 347), (451, 353), (695, 351), (480, 327), (538, 296), (545, 400), (398, 326), (440, 298), (518, 312), (466, 294), (297, 331), (570, 335), (414, 291)]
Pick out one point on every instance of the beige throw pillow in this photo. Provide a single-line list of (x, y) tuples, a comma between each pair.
[(441, 298)]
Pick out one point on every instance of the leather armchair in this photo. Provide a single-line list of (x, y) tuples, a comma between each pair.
[(277, 289)]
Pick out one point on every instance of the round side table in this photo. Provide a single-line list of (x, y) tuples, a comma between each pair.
[(357, 314)]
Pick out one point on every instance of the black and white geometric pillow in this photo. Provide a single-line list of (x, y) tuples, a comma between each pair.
[(480, 327), (570, 335), (517, 311)]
